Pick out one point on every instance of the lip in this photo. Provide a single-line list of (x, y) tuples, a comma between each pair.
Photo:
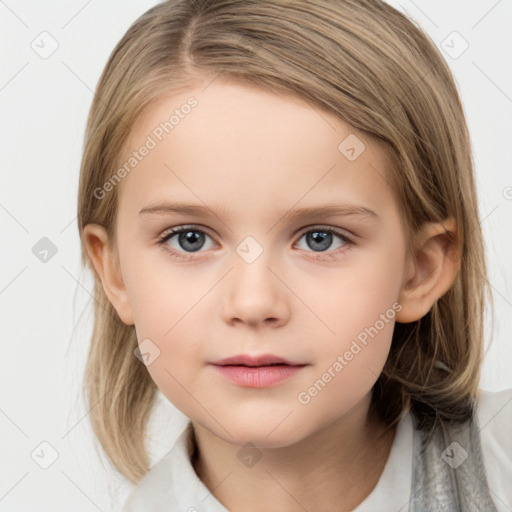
[(260, 371), (258, 360), (258, 376)]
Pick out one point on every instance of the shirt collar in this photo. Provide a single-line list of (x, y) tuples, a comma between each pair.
[(172, 483)]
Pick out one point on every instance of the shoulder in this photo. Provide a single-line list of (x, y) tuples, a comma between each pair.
[(494, 414), (494, 411)]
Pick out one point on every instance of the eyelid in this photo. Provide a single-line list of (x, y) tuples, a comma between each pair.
[(176, 230), (184, 227), (330, 229)]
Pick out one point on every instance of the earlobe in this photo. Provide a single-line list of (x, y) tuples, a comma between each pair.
[(431, 270), (106, 265)]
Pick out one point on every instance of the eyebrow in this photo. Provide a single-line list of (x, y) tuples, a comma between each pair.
[(328, 210)]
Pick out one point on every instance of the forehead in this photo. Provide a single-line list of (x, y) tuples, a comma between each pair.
[(241, 145)]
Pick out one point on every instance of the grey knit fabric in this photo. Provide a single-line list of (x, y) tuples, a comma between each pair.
[(448, 470)]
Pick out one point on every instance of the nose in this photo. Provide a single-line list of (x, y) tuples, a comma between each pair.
[(255, 294)]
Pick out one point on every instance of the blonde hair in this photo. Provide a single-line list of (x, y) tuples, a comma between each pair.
[(376, 70)]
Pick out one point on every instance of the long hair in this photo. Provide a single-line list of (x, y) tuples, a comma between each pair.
[(376, 70)]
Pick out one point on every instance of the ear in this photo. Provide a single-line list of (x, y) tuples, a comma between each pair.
[(431, 269), (106, 263)]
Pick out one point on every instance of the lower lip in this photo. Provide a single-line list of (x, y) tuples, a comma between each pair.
[(258, 376)]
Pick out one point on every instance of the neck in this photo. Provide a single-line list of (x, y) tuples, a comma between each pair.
[(335, 468)]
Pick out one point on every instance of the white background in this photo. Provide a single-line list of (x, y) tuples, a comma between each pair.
[(44, 107)]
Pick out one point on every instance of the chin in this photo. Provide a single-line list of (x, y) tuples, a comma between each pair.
[(262, 434)]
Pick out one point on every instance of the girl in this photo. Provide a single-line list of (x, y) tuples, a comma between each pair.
[(339, 377)]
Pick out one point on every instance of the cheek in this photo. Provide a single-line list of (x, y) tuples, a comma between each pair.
[(358, 308), (160, 292), (178, 361), (164, 306), (350, 299), (349, 362)]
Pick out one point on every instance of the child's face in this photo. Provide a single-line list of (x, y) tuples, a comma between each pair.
[(251, 157)]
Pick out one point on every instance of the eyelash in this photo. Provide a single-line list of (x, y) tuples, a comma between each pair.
[(348, 243)]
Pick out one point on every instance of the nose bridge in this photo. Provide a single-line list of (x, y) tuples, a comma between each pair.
[(252, 262), (254, 292)]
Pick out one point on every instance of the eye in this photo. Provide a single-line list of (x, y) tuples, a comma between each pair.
[(187, 238), (190, 239), (320, 239)]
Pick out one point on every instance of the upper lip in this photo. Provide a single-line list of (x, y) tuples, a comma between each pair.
[(258, 360)]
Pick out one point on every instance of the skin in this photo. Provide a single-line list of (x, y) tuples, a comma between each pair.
[(251, 156)]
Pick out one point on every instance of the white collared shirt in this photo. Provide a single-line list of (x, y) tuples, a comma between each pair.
[(172, 484)]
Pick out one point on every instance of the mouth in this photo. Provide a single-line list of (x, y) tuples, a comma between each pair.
[(257, 372), (263, 360), (259, 365)]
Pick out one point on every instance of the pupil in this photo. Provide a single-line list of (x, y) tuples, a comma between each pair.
[(322, 238), (190, 237)]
